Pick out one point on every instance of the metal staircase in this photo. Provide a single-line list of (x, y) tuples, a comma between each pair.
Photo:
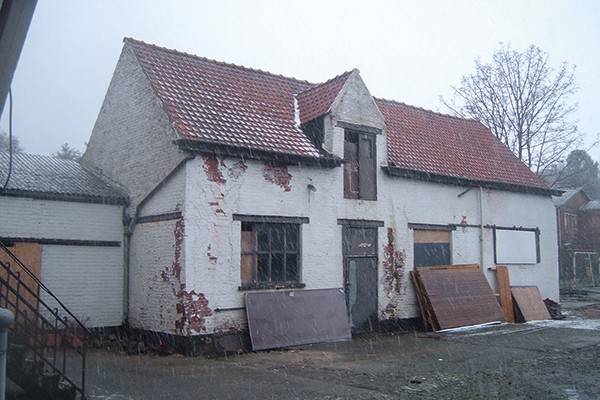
[(47, 344)]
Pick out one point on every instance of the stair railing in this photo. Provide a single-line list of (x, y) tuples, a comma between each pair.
[(52, 337)]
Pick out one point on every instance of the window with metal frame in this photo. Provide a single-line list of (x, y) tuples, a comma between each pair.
[(270, 254)]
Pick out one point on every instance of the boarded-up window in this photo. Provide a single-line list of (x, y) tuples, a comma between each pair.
[(431, 247), (360, 174), (516, 246)]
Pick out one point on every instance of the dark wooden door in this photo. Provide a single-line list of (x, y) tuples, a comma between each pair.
[(360, 277)]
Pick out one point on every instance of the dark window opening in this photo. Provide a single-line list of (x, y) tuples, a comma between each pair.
[(314, 129), (270, 255), (431, 248), (360, 173)]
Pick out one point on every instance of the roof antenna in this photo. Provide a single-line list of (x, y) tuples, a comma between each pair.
[(10, 149)]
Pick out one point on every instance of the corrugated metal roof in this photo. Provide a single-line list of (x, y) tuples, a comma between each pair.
[(55, 177), (591, 205)]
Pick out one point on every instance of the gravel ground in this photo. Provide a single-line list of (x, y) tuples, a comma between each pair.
[(539, 360)]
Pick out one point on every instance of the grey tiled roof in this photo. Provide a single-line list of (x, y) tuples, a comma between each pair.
[(50, 177), (591, 205), (567, 194)]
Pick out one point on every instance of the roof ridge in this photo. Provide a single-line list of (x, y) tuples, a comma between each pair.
[(318, 85), (426, 110), (137, 42)]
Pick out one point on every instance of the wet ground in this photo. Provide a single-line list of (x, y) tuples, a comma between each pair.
[(540, 360)]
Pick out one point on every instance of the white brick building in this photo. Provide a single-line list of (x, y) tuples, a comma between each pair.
[(241, 180), (66, 225)]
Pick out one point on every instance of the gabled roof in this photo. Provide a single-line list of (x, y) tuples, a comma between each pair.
[(232, 107), (567, 194), (54, 178), (317, 100), (432, 145), (226, 104)]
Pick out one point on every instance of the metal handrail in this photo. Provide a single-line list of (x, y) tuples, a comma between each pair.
[(41, 284), (35, 325)]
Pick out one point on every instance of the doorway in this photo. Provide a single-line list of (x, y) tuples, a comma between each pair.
[(360, 276)]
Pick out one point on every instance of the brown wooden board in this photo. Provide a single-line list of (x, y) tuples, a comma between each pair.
[(458, 296), (30, 254), (429, 322), (294, 317), (506, 301), (529, 302)]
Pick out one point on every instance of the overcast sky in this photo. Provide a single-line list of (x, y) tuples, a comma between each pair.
[(406, 51)]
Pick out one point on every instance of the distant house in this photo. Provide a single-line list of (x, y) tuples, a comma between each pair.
[(241, 180), (65, 224), (579, 238)]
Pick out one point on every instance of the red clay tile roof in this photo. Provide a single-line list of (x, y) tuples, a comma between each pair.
[(428, 142), (317, 100), (225, 104)]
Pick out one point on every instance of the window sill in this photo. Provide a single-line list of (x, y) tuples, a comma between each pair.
[(271, 285)]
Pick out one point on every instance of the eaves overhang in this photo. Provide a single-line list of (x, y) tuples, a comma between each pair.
[(459, 181), (75, 198), (197, 146)]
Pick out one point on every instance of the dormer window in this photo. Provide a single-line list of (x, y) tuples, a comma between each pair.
[(360, 177)]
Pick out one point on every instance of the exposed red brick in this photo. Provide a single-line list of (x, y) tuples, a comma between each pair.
[(393, 266), (212, 168), (278, 174), (389, 312), (193, 308), (237, 169), (212, 258), (179, 232), (230, 326)]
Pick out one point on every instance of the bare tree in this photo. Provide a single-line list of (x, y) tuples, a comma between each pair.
[(5, 143), (525, 102), (67, 152)]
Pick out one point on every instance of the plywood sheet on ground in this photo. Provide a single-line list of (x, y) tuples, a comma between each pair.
[(294, 317), (529, 302), (456, 296)]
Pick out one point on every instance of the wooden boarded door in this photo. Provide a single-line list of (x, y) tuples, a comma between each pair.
[(360, 277), (30, 255)]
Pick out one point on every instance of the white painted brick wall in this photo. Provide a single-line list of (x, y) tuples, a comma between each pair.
[(152, 301), (171, 197), (400, 202), (131, 140), (23, 217), (88, 280)]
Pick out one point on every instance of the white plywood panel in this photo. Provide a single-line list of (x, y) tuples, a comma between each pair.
[(516, 247)]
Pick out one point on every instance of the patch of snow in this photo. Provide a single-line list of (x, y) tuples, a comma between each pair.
[(589, 324), (297, 113)]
